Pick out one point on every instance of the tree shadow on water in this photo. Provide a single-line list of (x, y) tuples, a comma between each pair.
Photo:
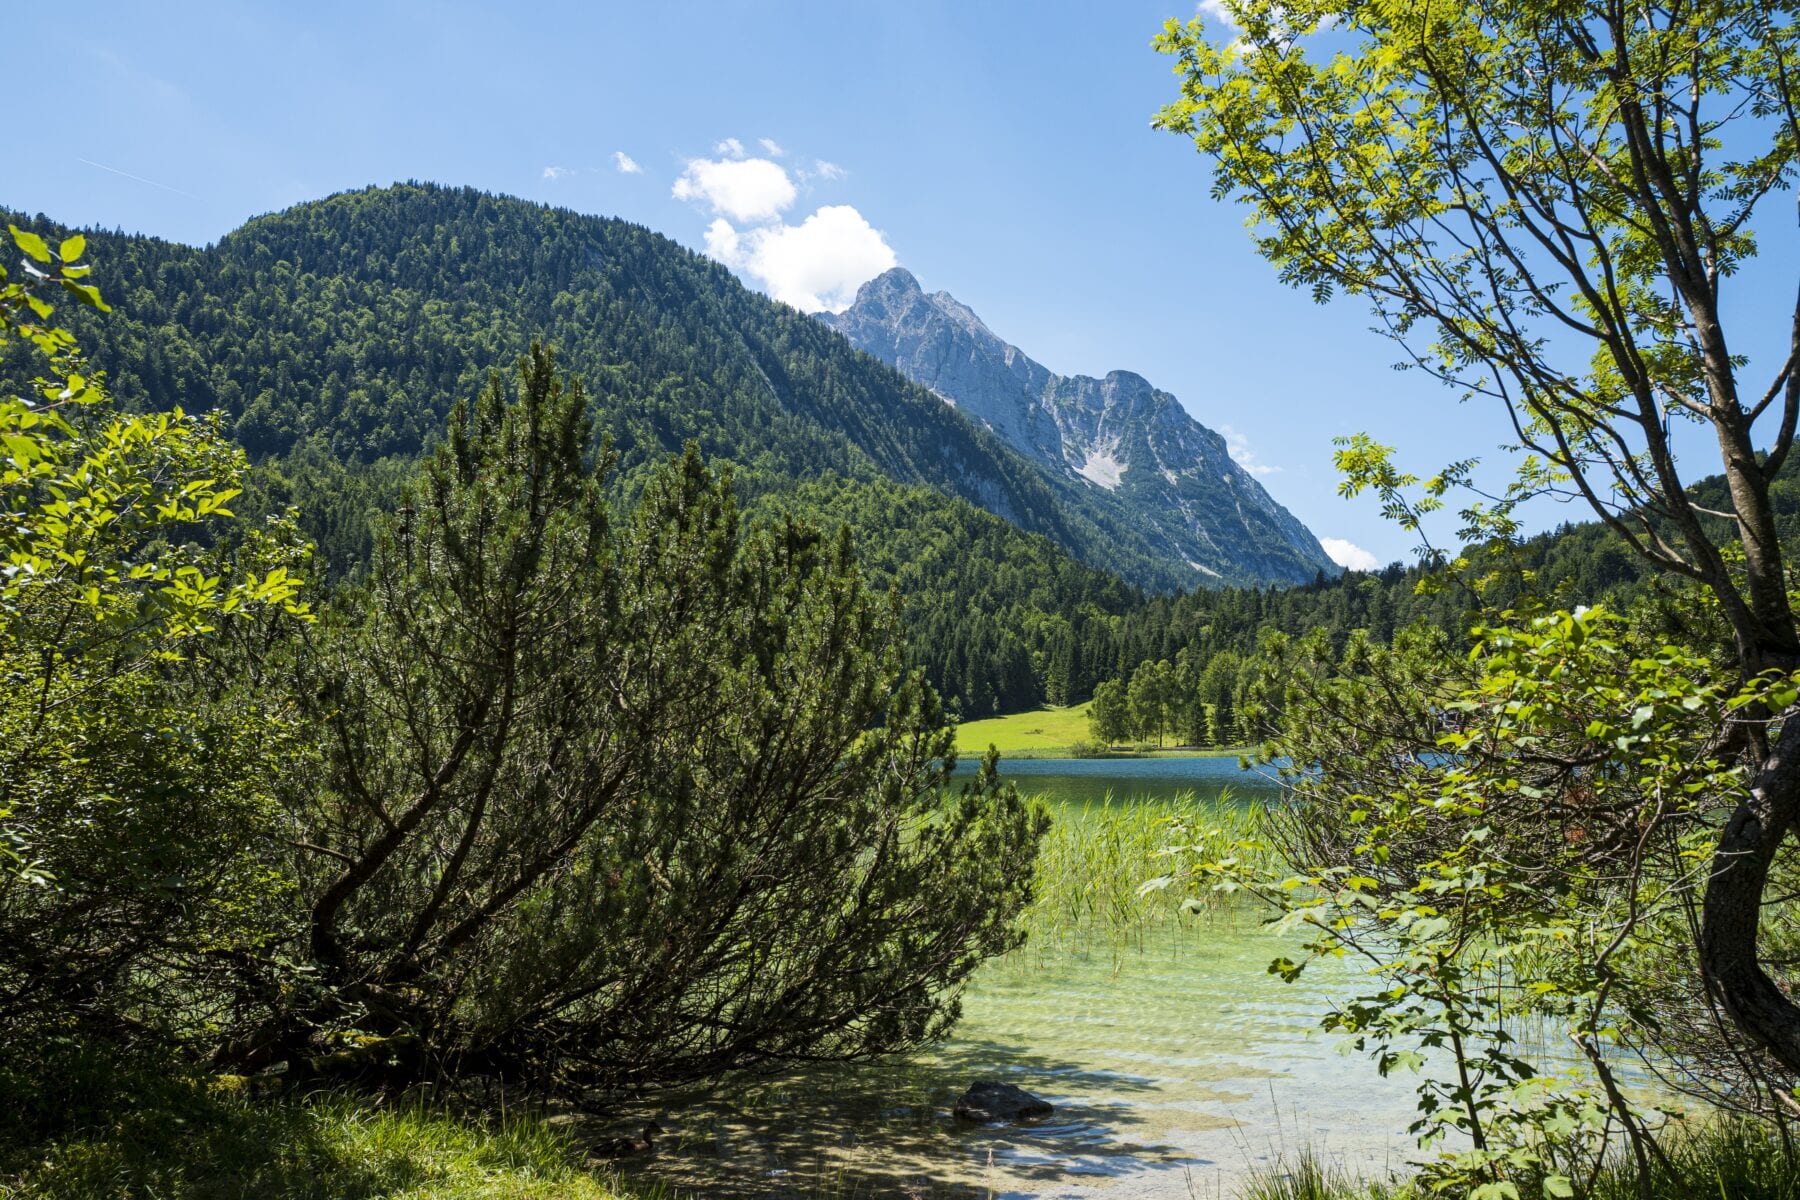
[(888, 1130)]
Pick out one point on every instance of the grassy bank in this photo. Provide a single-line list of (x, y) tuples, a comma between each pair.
[(104, 1132), (1722, 1161), (1042, 731)]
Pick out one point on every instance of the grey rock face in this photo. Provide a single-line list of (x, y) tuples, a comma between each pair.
[(987, 1100), (1156, 466)]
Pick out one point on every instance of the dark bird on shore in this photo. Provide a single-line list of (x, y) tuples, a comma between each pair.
[(631, 1147)]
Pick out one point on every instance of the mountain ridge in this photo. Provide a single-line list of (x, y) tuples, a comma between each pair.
[(1164, 471)]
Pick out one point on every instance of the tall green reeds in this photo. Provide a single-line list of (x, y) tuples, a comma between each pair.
[(1099, 867)]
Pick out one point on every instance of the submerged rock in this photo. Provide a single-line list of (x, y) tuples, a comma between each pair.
[(987, 1100)]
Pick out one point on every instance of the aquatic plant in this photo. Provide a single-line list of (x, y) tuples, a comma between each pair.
[(1103, 868)]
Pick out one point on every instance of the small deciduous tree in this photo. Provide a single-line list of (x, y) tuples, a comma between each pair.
[(1515, 838), (135, 771), (1109, 719), (1547, 204), (1153, 696)]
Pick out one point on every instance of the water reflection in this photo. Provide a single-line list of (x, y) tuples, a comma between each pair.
[(1087, 780)]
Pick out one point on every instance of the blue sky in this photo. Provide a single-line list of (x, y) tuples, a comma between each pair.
[(1001, 151)]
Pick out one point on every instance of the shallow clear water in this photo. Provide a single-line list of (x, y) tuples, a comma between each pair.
[(1175, 1067)]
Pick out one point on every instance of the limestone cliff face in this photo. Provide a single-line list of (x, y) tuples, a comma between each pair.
[(1160, 469)]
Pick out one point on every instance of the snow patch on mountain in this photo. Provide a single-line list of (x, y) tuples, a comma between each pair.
[(1103, 468)]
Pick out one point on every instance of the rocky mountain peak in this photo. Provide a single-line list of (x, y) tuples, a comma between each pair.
[(1118, 433)]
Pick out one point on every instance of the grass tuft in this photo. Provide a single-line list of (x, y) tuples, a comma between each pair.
[(1720, 1160), (102, 1130), (1096, 868)]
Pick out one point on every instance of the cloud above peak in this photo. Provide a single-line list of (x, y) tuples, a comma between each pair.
[(743, 189), (626, 164), (1238, 446), (1349, 555), (817, 264)]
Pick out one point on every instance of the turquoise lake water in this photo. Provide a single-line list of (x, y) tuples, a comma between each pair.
[(1176, 1066)]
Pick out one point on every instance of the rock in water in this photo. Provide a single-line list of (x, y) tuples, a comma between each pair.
[(987, 1100)]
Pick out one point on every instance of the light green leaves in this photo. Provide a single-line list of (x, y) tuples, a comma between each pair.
[(107, 568), (32, 245)]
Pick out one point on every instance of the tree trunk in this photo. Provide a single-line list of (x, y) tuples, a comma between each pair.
[(1734, 899)]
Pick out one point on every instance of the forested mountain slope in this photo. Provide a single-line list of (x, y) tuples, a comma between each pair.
[(349, 326), (334, 337)]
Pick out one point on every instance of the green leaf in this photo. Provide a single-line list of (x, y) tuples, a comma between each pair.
[(87, 293), (72, 248), (31, 244)]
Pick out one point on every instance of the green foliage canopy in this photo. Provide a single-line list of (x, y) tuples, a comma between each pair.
[(134, 770), (602, 805), (1546, 204)]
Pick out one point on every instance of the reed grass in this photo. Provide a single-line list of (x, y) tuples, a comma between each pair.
[(1309, 1177), (1098, 868)]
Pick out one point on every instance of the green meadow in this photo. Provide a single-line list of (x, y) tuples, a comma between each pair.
[(1046, 732), (1053, 731)]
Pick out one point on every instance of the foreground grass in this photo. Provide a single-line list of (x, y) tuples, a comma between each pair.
[(1723, 1161), (98, 1133)]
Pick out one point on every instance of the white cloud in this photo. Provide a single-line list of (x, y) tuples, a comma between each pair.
[(555, 173), (1218, 14), (1215, 10), (746, 190), (1239, 448), (1349, 555), (817, 264), (627, 165)]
